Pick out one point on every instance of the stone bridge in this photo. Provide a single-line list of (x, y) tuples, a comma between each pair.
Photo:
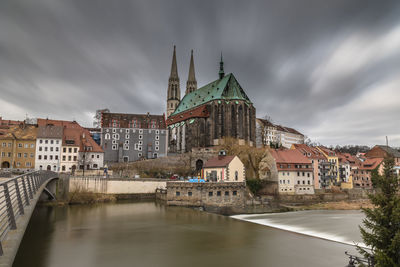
[(18, 198)]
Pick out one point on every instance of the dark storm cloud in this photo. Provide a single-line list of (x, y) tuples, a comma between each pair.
[(327, 68)]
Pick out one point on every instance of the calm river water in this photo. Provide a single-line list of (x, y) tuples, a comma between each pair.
[(149, 234)]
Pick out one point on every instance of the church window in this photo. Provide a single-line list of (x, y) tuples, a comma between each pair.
[(156, 148)]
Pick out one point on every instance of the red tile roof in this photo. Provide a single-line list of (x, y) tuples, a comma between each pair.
[(291, 156), (198, 112), (371, 163), (220, 161), (310, 152), (123, 120)]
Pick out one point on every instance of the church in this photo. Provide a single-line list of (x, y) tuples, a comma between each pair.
[(204, 116)]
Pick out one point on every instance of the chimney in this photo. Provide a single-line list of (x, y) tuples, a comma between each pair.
[(221, 154)]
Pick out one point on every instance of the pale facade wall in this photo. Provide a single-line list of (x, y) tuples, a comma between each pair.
[(48, 153), (95, 160), (221, 173), (110, 186), (295, 182), (236, 171), (69, 158)]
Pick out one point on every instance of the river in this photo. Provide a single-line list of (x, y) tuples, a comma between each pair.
[(150, 234)]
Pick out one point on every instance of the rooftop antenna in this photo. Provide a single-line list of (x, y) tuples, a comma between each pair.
[(387, 142)]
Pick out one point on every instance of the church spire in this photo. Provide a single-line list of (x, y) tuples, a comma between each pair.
[(191, 83), (221, 68), (174, 66), (174, 91)]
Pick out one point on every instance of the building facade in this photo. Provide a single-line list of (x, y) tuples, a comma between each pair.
[(17, 149), (48, 147), (295, 172), (224, 169), (131, 137), (330, 168), (380, 151), (269, 134), (206, 115)]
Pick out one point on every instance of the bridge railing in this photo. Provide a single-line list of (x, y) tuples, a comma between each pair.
[(16, 194)]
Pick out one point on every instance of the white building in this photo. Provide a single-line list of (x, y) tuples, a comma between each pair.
[(48, 147), (91, 155), (268, 133)]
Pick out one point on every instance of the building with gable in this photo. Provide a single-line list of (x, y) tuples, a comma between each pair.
[(224, 169), (204, 116), (48, 147), (380, 151)]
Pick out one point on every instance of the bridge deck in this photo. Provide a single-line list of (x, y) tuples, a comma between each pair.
[(18, 198)]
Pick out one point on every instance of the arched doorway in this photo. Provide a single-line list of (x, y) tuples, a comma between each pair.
[(199, 165), (48, 168), (5, 165)]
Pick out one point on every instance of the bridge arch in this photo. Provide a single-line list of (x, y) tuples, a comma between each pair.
[(5, 165)]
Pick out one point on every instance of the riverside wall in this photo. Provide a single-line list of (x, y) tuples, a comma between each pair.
[(122, 188)]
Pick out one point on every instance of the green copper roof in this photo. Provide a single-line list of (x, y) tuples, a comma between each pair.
[(226, 89)]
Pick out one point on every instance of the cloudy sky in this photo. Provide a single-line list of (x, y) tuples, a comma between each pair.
[(330, 69)]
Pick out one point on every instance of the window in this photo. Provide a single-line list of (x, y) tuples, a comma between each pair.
[(98, 156), (40, 141), (46, 141), (9, 154), (126, 146), (19, 155), (51, 149), (75, 158), (114, 141), (127, 131), (127, 136), (140, 131), (236, 175), (51, 157), (298, 173), (69, 150), (116, 136), (234, 193), (40, 148), (45, 148), (9, 144), (69, 158), (155, 155), (32, 145), (190, 194), (56, 149), (75, 150), (210, 194), (92, 156), (18, 164), (64, 150), (95, 166), (140, 136), (139, 155), (3, 154), (63, 158), (56, 157), (107, 136), (63, 167), (45, 157), (157, 143), (226, 193), (140, 143), (178, 193), (127, 142), (114, 147), (157, 137), (156, 148), (219, 193), (32, 155), (4, 144), (57, 142), (140, 148), (51, 141)]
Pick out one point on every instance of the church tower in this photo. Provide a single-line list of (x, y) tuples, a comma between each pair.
[(191, 83), (174, 90)]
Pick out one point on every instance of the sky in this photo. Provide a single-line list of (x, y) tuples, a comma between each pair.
[(330, 69)]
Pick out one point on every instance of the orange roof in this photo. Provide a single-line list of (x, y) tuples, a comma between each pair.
[(371, 163), (198, 112), (327, 151), (310, 152), (292, 156), (220, 161)]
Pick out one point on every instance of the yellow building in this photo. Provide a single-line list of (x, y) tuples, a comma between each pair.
[(333, 159), (17, 147), (224, 169)]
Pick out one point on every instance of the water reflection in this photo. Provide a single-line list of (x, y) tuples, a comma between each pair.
[(149, 234)]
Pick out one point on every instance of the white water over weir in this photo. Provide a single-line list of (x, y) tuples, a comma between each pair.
[(333, 225)]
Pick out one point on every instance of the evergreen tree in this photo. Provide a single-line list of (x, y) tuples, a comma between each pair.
[(381, 231)]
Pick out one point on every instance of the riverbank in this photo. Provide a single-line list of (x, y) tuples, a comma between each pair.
[(336, 205)]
